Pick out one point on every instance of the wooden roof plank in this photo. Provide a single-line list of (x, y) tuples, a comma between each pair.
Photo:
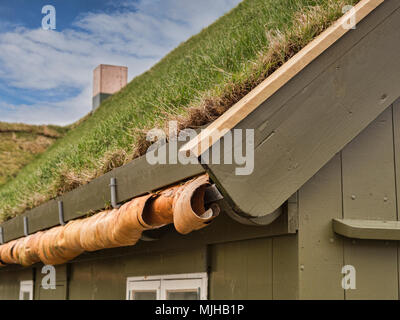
[(278, 79), (314, 116)]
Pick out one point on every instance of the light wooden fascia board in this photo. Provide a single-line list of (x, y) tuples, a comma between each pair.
[(216, 130), (367, 229)]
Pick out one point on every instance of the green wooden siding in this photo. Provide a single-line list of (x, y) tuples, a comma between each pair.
[(61, 291), (106, 278), (237, 270), (358, 183), (224, 244), (369, 192), (241, 270), (10, 282), (320, 250)]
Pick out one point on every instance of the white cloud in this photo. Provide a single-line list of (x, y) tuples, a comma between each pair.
[(45, 112), (136, 35)]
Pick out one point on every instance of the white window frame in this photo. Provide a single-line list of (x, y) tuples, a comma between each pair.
[(26, 287), (162, 283), (141, 286)]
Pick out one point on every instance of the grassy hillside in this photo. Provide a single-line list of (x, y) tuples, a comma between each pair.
[(21, 143), (195, 83)]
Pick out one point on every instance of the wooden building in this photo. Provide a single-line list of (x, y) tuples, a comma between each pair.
[(323, 195)]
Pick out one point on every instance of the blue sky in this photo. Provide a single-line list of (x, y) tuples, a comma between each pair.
[(46, 75)]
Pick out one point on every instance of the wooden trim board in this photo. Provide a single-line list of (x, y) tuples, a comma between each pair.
[(315, 115), (367, 229), (204, 140), (133, 179)]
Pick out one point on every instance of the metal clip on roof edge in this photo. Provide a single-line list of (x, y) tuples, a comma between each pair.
[(26, 227), (212, 194), (113, 190), (61, 213)]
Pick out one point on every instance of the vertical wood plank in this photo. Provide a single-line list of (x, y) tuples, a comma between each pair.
[(10, 282), (396, 145), (369, 192), (241, 270), (60, 293), (285, 268), (320, 250)]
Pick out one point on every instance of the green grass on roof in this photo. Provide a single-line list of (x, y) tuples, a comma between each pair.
[(195, 83)]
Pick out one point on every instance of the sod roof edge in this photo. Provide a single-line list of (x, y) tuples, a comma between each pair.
[(134, 179), (277, 80)]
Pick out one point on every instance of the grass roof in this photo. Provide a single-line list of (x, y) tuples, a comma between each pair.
[(194, 84)]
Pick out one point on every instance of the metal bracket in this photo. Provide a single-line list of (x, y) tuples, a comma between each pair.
[(153, 235), (212, 194), (113, 189), (61, 213), (26, 227), (1, 236)]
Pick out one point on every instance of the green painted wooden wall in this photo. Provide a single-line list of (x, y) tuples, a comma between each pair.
[(106, 278), (220, 249), (237, 270), (10, 282), (361, 182)]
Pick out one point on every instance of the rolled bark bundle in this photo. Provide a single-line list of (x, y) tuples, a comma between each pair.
[(2, 253), (116, 228), (2, 263), (61, 250), (160, 210), (17, 249), (182, 205), (7, 253), (128, 222), (90, 238), (48, 250), (28, 254), (189, 211), (71, 238), (100, 234)]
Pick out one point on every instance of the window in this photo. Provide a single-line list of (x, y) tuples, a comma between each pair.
[(26, 290), (168, 287), (144, 290)]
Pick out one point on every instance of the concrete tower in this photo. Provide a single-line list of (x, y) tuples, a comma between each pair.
[(107, 80)]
